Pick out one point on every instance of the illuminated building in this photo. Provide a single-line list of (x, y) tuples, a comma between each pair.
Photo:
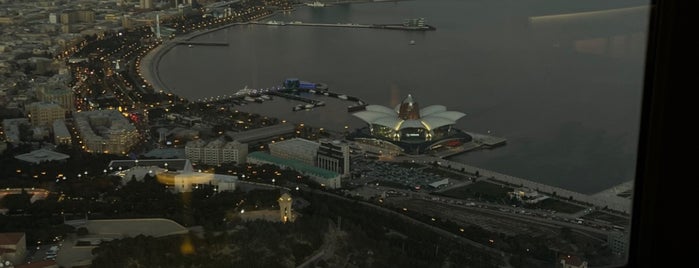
[(106, 131), (44, 113), (216, 152), (411, 128), (285, 212)]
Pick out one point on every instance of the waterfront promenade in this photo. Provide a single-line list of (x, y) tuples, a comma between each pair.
[(612, 202)]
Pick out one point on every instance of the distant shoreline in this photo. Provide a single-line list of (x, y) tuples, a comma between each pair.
[(150, 63)]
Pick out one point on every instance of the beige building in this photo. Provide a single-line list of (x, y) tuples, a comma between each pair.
[(61, 96), (44, 113), (13, 247), (286, 214), (216, 152), (106, 131)]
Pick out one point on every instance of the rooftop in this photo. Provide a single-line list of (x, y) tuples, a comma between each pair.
[(294, 164), (177, 164), (10, 238), (42, 155), (262, 133)]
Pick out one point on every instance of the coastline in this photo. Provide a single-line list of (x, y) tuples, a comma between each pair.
[(151, 61)]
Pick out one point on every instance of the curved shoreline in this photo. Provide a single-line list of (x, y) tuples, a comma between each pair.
[(151, 61)]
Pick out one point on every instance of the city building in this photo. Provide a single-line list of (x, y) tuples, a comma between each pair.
[(285, 212), (11, 128), (44, 113), (334, 156), (61, 135), (42, 155), (409, 127), (216, 152), (13, 247), (59, 95), (323, 177), (106, 131), (146, 4), (618, 242), (298, 149)]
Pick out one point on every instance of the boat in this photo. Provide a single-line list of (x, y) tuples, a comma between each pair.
[(266, 97), (344, 97), (326, 93), (412, 42), (244, 91), (190, 46), (320, 103), (297, 108), (311, 91), (249, 99), (315, 4), (309, 106)]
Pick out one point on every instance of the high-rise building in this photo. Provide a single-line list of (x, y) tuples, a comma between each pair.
[(618, 242), (334, 156), (44, 113)]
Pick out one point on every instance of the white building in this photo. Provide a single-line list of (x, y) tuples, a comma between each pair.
[(298, 149), (216, 152), (334, 156), (175, 173)]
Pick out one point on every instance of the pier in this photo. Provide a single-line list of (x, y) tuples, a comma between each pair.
[(479, 141), (196, 43), (350, 25)]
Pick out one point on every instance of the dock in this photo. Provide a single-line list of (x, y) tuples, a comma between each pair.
[(350, 25), (479, 141), (195, 43)]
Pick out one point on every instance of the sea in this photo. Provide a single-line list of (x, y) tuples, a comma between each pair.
[(560, 80)]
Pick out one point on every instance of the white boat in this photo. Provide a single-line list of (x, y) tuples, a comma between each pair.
[(344, 97), (320, 103), (412, 42), (309, 106), (266, 97), (315, 4), (249, 99)]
